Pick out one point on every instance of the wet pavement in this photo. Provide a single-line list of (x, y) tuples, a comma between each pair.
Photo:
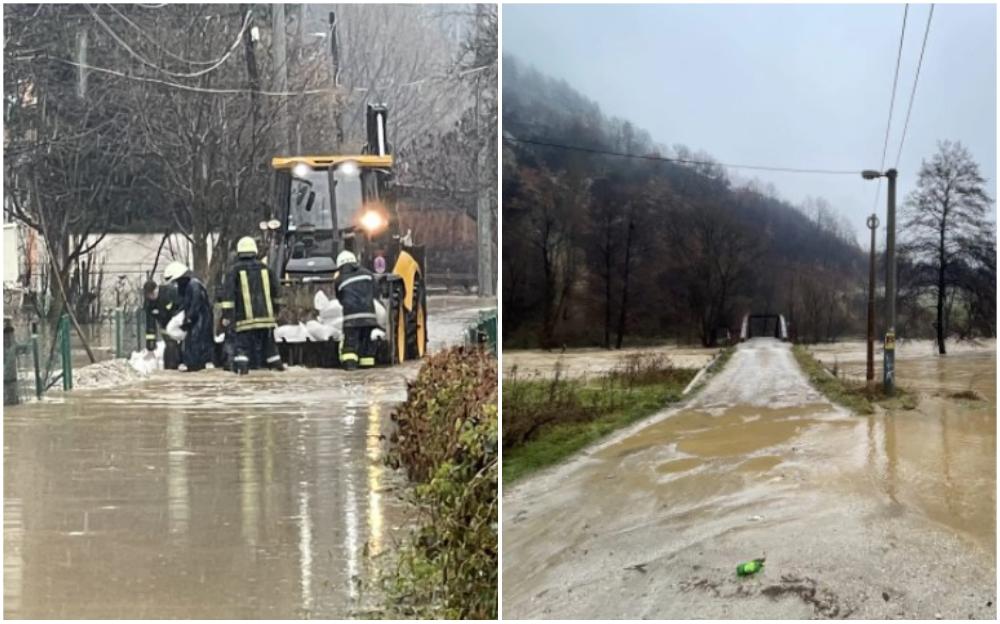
[(206, 495), (886, 516)]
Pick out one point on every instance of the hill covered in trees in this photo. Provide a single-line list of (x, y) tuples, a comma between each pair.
[(602, 249)]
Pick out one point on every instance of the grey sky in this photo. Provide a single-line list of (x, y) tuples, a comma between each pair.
[(788, 85)]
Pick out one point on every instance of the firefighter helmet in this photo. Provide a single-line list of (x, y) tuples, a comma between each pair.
[(173, 271), (246, 246), (346, 257)]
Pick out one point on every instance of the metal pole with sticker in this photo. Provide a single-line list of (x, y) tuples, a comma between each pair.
[(890, 362)]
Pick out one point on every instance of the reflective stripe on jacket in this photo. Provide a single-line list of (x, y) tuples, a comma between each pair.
[(250, 296), (356, 292)]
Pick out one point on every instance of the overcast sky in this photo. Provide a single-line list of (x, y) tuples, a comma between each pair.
[(804, 86)]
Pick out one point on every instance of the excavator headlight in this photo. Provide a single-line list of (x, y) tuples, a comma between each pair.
[(301, 170), (263, 226), (274, 224), (348, 168), (372, 221)]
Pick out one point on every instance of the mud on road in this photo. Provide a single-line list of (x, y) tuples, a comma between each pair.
[(862, 517), (206, 495)]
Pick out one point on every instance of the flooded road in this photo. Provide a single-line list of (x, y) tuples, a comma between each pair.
[(863, 517), (205, 495)]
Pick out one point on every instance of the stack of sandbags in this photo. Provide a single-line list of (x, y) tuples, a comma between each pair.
[(291, 333), (328, 324)]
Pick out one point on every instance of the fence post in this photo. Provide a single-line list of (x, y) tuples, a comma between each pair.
[(118, 332), (140, 329), (10, 396), (67, 361), (34, 358)]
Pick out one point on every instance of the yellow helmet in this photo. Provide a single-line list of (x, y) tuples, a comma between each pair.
[(246, 245), (173, 271)]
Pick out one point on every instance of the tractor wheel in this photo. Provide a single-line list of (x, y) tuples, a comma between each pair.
[(416, 324)]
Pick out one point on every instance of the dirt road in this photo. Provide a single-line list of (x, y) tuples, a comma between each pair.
[(862, 517), (205, 495)]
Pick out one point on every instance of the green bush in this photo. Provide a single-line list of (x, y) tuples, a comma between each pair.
[(447, 443)]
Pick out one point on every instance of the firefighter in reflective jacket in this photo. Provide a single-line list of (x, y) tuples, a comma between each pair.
[(159, 307), (356, 292), (250, 304)]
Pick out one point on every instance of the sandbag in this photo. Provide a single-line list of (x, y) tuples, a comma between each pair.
[(320, 301), (174, 327), (291, 333), (320, 332), (146, 362), (333, 313)]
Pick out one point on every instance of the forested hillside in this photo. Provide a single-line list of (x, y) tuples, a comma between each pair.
[(604, 250)]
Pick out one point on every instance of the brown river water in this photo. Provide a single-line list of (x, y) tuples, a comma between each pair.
[(206, 495), (883, 516)]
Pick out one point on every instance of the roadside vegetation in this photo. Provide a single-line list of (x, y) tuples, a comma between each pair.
[(854, 395), (547, 419), (446, 443)]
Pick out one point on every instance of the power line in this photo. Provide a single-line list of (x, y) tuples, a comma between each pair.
[(892, 104), (152, 40), (243, 91), (192, 88), (682, 161), (144, 61), (913, 92)]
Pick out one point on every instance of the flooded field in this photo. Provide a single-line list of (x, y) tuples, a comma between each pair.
[(593, 362), (206, 495), (886, 516)]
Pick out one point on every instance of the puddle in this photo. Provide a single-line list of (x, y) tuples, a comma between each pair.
[(757, 459)]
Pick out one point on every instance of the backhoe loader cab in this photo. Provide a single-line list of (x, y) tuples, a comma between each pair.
[(326, 204)]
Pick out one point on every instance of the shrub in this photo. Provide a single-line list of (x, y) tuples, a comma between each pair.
[(447, 443)]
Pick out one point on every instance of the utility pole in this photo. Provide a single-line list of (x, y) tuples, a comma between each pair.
[(889, 348), (81, 59), (250, 38), (484, 218), (870, 372), (338, 101), (278, 40), (889, 359)]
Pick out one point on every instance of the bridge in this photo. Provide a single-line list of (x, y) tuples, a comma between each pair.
[(763, 325)]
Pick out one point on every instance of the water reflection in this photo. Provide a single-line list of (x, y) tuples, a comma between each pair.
[(350, 505), (177, 476), (159, 501), (376, 471), (939, 461)]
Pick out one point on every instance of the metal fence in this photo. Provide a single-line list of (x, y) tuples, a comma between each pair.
[(484, 331), (38, 361)]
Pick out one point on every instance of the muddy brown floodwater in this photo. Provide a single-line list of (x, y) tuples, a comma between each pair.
[(589, 362), (206, 495), (886, 516)]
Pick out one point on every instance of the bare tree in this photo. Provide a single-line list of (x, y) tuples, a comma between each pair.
[(944, 215)]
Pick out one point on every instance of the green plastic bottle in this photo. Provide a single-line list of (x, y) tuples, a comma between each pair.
[(750, 567)]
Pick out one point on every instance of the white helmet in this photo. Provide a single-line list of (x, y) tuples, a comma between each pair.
[(346, 257), (173, 271)]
